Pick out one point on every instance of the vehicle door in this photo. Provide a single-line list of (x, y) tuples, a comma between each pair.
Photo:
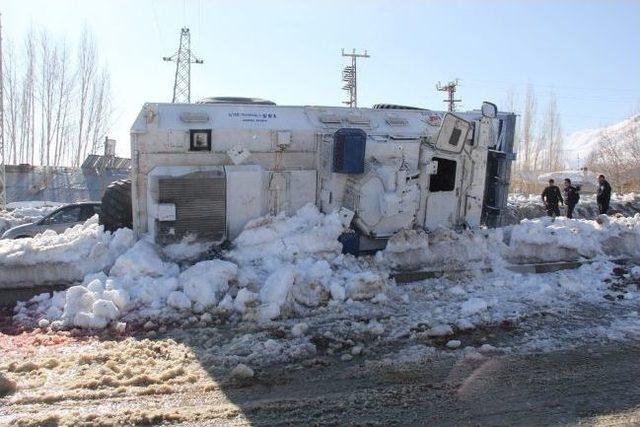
[(442, 204)]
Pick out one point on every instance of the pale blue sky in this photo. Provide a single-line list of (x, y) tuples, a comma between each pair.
[(586, 52)]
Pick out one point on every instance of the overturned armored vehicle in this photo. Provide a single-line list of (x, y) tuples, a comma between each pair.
[(204, 170)]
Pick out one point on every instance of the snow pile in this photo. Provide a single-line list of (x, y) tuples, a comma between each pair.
[(86, 246), (285, 263), (562, 239), (278, 265), (442, 248), (18, 213)]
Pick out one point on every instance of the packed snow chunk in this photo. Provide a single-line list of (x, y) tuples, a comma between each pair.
[(308, 232), (299, 329), (187, 249), (207, 281), (441, 248), (242, 371), (473, 306), (364, 285), (338, 292), (375, 328), (106, 309), (275, 292), (312, 282), (119, 297), (179, 300), (439, 331), (226, 303), (544, 240), (77, 299), (89, 321), (142, 260), (453, 344), (244, 298)]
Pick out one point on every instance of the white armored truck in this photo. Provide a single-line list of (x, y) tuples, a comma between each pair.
[(204, 170)]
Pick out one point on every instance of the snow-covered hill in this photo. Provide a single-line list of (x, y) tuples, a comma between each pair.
[(579, 145)]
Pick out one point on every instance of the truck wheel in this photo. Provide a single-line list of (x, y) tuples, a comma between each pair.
[(115, 211)]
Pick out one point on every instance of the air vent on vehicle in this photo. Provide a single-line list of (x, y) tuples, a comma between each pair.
[(235, 100), (394, 107), (396, 121), (200, 201), (330, 119)]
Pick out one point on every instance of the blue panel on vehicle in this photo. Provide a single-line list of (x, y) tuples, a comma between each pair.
[(350, 243), (348, 150)]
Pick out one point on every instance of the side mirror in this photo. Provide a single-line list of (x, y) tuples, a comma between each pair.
[(489, 110)]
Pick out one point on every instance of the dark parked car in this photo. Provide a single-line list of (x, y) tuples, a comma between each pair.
[(59, 220)]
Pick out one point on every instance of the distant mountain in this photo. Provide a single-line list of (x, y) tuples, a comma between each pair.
[(579, 145)]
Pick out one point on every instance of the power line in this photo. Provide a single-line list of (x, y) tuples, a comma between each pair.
[(183, 59), (552, 86), (155, 19), (350, 77)]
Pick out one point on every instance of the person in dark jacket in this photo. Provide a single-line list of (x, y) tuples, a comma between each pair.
[(551, 197), (571, 197), (604, 195)]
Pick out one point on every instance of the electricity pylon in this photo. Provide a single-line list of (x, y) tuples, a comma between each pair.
[(183, 59)]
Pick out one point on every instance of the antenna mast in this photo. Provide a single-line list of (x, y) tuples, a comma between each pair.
[(183, 59), (450, 88), (350, 78)]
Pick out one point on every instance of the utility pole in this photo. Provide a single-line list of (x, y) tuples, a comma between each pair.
[(350, 78), (183, 59), (450, 88), (3, 180)]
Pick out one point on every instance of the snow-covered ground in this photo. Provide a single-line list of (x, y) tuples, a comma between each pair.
[(522, 206), (287, 274), (18, 213)]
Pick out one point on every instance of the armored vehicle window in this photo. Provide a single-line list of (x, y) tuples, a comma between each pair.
[(455, 136), (200, 140), (445, 178)]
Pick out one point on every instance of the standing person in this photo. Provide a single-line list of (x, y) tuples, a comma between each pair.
[(604, 195), (551, 197), (571, 197)]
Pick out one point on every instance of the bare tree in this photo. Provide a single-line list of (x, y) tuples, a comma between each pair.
[(27, 113), (58, 104), (618, 157), (551, 141), (85, 75), (528, 116), (12, 102)]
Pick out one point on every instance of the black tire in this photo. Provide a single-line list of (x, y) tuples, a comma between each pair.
[(116, 211)]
